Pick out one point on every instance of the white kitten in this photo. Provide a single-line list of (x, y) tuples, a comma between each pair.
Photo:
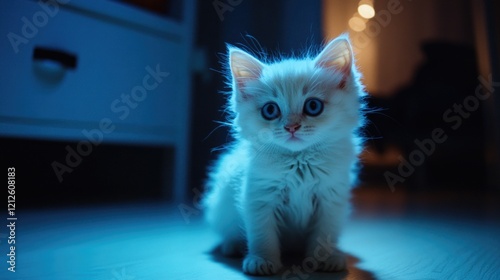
[(286, 180)]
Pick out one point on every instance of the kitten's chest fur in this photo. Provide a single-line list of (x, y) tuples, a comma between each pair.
[(298, 194), (301, 181)]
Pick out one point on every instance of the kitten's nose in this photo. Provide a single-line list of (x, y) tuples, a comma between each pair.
[(292, 127)]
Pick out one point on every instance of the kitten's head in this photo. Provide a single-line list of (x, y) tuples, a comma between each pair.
[(296, 103)]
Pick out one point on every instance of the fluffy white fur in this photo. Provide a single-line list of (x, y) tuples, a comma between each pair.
[(274, 190)]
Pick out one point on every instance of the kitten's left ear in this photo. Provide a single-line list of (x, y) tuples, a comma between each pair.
[(337, 56), (244, 68)]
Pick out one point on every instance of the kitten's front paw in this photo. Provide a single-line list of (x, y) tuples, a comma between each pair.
[(256, 265), (335, 262)]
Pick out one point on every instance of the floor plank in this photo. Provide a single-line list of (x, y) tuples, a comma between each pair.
[(141, 241)]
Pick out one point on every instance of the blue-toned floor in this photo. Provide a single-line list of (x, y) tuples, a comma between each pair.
[(152, 241)]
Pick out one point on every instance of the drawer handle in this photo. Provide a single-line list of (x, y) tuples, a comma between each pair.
[(62, 58)]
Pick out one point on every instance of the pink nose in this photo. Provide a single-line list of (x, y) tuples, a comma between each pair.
[(292, 127)]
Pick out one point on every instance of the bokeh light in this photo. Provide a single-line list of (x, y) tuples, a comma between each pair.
[(366, 11), (357, 24)]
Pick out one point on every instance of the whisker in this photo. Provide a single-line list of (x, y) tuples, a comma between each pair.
[(221, 124)]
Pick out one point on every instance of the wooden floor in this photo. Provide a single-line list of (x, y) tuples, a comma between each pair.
[(391, 236)]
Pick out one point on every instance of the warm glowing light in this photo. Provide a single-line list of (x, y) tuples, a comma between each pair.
[(357, 24), (366, 11)]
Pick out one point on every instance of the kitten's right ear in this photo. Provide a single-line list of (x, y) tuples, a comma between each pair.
[(337, 57), (244, 68)]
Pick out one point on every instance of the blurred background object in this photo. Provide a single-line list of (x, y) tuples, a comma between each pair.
[(419, 59), (95, 101)]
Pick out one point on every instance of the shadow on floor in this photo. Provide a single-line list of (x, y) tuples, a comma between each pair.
[(295, 269)]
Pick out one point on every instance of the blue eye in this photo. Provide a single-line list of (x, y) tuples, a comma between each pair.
[(313, 107), (270, 111)]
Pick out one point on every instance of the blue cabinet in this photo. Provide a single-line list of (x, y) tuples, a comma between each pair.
[(96, 71)]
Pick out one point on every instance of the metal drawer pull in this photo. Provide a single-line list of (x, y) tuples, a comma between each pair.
[(63, 58)]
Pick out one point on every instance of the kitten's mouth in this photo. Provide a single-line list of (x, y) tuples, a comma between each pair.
[(293, 138)]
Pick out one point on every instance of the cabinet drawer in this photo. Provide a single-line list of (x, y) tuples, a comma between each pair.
[(121, 73)]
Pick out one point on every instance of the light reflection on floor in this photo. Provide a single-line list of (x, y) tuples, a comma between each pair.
[(154, 242)]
